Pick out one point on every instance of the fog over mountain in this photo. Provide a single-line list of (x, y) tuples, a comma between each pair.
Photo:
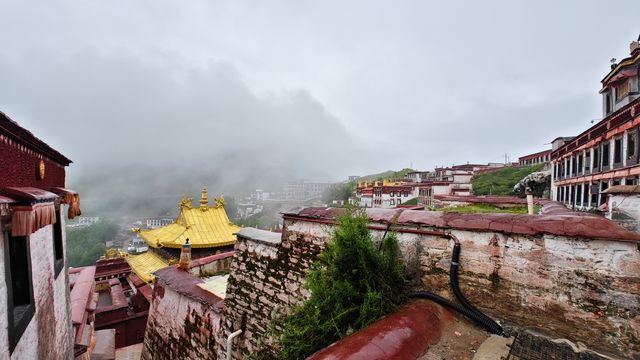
[(161, 97)]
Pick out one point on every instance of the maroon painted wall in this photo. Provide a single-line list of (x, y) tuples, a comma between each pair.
[(17, 168)]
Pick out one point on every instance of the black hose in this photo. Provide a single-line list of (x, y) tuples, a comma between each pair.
[(455, 286), (465, 308), (489, 325)]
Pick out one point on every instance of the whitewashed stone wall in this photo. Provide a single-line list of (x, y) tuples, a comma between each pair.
[(49, 334), (625, 210), (179, 327)]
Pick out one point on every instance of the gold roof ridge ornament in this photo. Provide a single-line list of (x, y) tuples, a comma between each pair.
[(204, 200), (186, 202), (219, 201)]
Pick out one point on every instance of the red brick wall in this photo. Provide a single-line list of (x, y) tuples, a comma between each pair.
[(18, 168)]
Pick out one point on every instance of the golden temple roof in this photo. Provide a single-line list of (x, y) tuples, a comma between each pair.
[(145, 264), (205, 226)]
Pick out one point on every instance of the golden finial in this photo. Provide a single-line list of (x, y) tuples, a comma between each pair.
[(204, 201)]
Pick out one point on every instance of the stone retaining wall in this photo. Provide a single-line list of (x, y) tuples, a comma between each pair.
[(266, 278), (568, 276), (183, 319)]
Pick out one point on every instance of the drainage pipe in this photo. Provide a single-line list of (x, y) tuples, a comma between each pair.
[(455, 286), (465, 308), (230, 342)]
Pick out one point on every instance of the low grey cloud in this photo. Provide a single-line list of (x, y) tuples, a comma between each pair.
[(149, 125), (165, 96)]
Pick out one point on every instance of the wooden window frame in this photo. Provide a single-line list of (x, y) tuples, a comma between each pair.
[(618, 152), (632, 136), (17, 327), (580, 164), (607, 145), (58, 245)]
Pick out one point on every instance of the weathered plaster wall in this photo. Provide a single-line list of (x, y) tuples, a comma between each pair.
[(179, 327), (212, 264), (48, 336), (519, 269), (625, 210), (583, 290), (266, 278)]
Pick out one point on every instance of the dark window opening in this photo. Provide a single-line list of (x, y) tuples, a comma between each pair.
[(607, 103), (632, 139), (587, 160), (578, 195), (573, 166), (631, 181), (616, 182), (605, 155), (580, 164), (19, 287), (617, 151), (585, 197), (596, 159), (603, 186), (594, 194), (58, 247)]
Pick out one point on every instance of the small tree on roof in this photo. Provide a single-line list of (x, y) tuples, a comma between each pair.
[(352, 285)]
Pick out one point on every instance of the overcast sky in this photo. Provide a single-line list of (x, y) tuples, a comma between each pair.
[(312, 89)]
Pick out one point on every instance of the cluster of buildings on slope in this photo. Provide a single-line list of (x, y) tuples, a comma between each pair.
[(541, 157), (420, 185), (600, 160), (294, 194)]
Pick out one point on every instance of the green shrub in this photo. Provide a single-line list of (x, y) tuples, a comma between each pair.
[(352, 285)]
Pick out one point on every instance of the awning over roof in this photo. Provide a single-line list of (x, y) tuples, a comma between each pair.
[(71, 198), (34, 209), (623, 189), (29, 195)]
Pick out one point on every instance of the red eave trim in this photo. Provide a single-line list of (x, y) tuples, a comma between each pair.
[(632, 106)]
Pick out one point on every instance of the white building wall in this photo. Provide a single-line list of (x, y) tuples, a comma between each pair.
[(49, 334)]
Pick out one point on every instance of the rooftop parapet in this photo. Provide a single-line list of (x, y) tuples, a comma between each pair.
[(569, 224)]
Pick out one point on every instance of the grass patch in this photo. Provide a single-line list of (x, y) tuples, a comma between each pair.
[(502, 181), (389, 174), (488, 209), (413, 201)]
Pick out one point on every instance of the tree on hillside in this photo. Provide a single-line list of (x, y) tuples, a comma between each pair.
[(85, 245), (340, 192)]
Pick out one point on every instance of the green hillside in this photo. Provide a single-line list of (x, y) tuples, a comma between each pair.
[(502, 181), (389, 174)]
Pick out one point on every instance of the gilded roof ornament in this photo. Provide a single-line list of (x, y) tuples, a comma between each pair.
[(219, 201), (204, 201), (185, 202)]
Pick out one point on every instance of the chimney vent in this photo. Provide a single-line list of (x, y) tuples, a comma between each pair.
[(185, 256)]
